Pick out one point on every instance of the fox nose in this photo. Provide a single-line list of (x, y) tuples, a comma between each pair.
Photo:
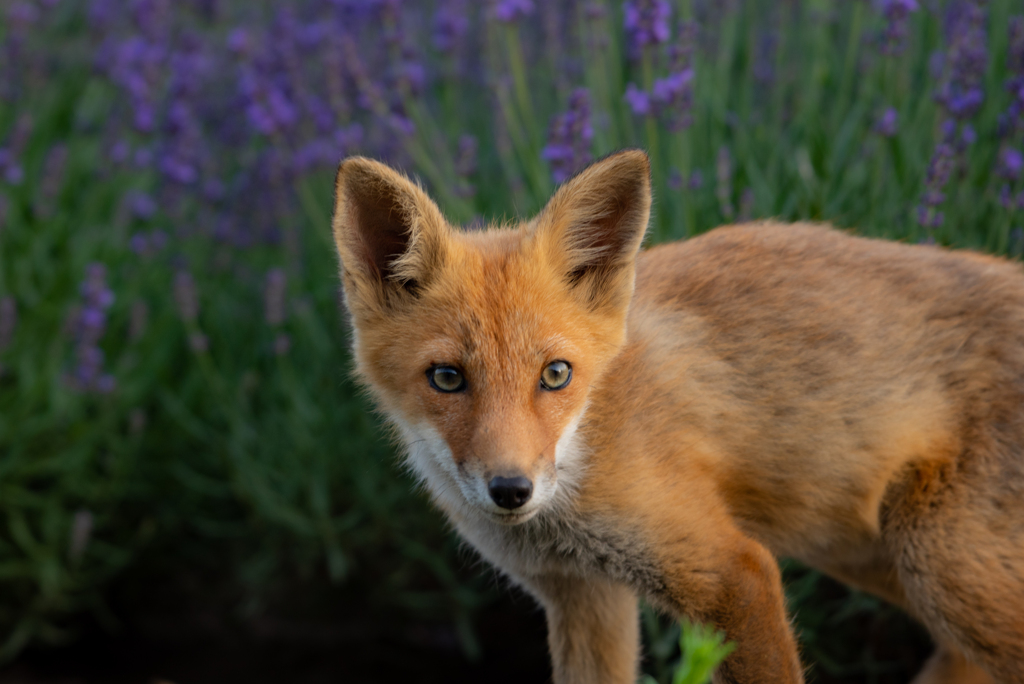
[(510, 492)]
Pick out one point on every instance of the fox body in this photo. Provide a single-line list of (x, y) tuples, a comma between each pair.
[(603, 423)]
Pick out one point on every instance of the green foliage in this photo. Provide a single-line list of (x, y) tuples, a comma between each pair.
[(703, 650), (262, 462)]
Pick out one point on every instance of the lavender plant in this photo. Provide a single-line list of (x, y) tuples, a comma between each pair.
[(174, 359)]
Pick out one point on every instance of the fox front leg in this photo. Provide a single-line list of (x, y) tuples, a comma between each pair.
[(737, 588), (593, 629)]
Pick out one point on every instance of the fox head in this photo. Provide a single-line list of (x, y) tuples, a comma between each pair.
[(482, 347)]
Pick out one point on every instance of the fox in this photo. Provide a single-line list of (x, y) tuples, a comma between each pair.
[(605, 423)]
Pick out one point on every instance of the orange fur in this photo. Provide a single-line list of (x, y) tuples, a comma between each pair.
[(762, 390)]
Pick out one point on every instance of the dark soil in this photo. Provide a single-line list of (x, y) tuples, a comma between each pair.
[(330, 636), (512, 642)]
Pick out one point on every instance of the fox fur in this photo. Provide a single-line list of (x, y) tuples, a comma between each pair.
[(763, 390)]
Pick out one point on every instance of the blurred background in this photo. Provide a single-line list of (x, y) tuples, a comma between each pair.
[(191, 487)]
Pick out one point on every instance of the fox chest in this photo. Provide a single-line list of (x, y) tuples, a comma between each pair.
[(566, 545)]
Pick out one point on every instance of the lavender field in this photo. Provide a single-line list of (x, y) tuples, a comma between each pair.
[(180, 441)]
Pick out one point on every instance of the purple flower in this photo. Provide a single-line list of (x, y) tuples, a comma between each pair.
[(186, 297), (765, 56), (896, 13), (451, 22), (675, 180), (102, 12), (143, 157), (1012, 162), (968, 135), (960, 94), (960, 90), (141, 205), (139, 243), (10, 156), (402, 125), (674, 97), (53, 171), (639, 100), (240, 41), (316, 153), (511, 10), (465, 160), (87, 326), (119, 151), (1012, 119), (696, 180), (939, 171), (646, 22), (668, 88), (570, 137), (274, 297), (888, 123), (746, 205), (282, 343), (723, 168), (21, 15)]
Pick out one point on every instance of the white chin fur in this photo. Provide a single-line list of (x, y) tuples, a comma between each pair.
[(432, 461)]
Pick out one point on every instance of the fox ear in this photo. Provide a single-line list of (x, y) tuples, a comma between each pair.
[(593, 227), (388, 233)]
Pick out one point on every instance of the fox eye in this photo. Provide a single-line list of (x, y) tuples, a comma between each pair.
[(446, 379), (556, 375)]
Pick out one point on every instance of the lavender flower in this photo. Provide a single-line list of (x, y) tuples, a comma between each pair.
[(451, 22), (274, 297), (511, 10), (765, 55), (53, 175), (888, 123), (939, 171), (638, 100), (1015, 58), (370, 94), (10, 156), (960, 91), (896, 13), (646, 23), (282, 343), (87, 327), (696, 180), (1012, 162), (1012, 120), (723, 167), (675, 180), (746, 205), (960, 94), (186, 297), (466, 159), (141, 205), (674, 96), (569, 138)]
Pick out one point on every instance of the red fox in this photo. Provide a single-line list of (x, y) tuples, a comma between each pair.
[(604, 423)]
